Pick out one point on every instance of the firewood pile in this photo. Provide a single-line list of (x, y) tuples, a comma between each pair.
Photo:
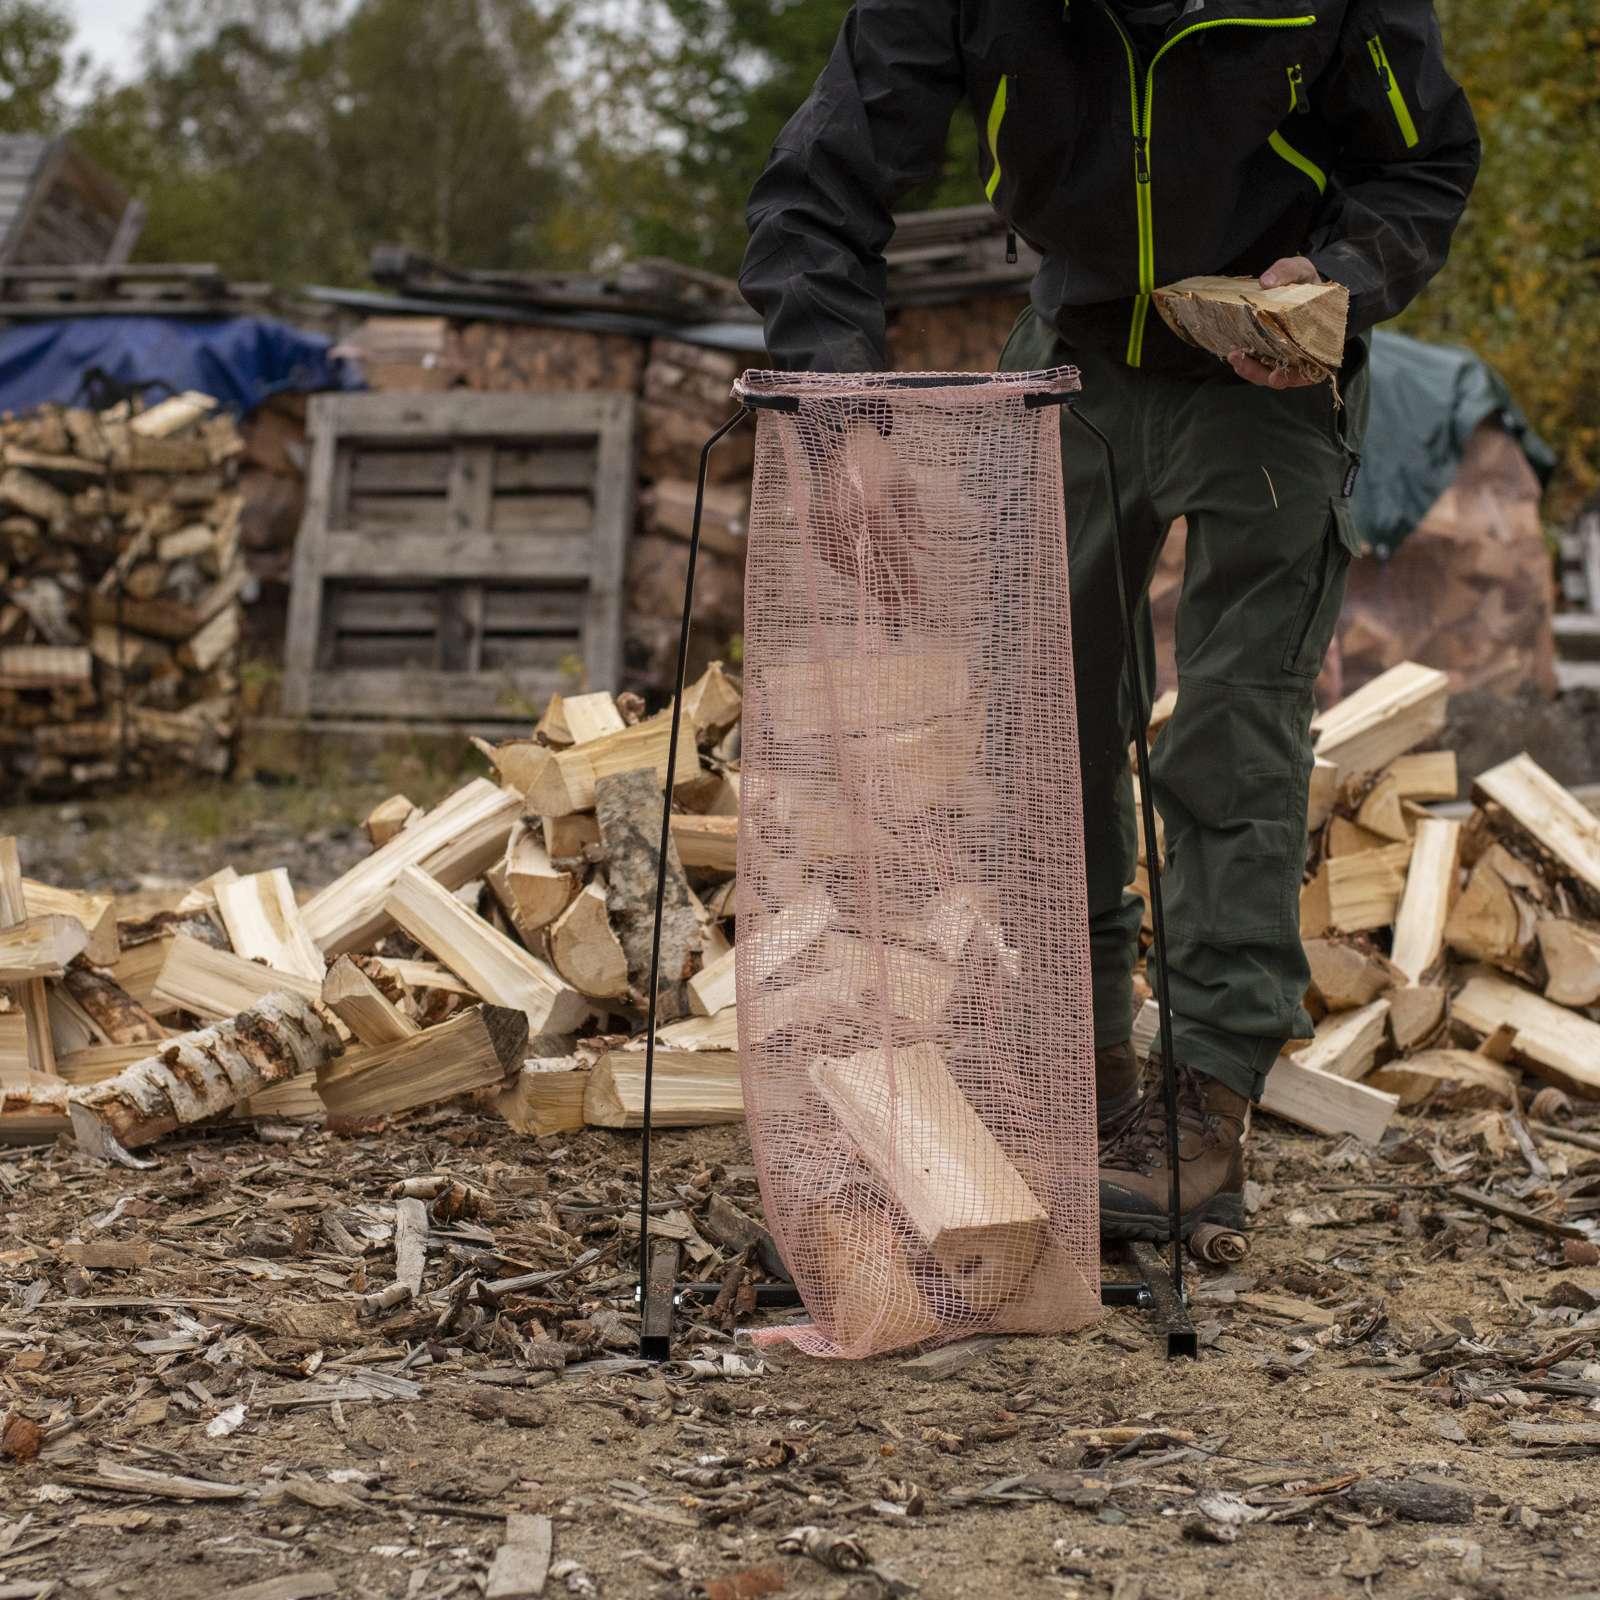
[(1455, 959), (120, 577), (498, 947)]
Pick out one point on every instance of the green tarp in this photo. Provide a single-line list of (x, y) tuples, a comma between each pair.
[(1426, 400)]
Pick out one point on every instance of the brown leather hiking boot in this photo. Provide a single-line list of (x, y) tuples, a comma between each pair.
[(1136, 1180), (1117, 1072)]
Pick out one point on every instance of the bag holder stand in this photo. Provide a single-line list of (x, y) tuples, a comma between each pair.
[(1158, 1287)]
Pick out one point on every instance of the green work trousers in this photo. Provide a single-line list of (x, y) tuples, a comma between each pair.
[(1262, 477)]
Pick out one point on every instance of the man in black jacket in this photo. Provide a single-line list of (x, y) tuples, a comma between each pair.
[(1134, 144)]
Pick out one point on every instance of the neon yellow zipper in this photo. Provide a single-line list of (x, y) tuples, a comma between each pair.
[(1305, 164), (1143, 109), (997, 115), (1391, 87)]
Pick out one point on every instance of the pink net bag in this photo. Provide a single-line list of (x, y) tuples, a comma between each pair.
[(913, 964)]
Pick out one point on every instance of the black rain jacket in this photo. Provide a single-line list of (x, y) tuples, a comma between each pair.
[(1258, 129)]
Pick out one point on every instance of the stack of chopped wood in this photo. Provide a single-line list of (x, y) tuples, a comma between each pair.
[(498, 943), (120, 575), (1455, 958)]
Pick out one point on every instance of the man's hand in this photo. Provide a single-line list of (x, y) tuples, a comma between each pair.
[(1291, 269)]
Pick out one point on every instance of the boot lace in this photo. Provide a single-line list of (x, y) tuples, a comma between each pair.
[(1139, 1143)]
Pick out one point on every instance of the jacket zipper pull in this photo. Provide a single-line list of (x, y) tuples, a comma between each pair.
[(1380, 58), (1011, 247), (1297, 100), (1141, 160)]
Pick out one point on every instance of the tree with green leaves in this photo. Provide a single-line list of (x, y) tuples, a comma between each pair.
[(38, 67)]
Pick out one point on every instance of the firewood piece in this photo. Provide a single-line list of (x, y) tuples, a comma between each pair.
[(1298, 327), (455, 842), (97, 913), (1462, 1080), (1501, 1044), (1427, 775), (410, 1244), (1571, 952), (264, 924), (552, 728), (213, 640), (389, 817), (723, 518), (215, 983), (362, 1006), (531, 891), (546, 1097), (1346, 1043), (475, 1049), (910, 1123), (33, 1000), (101, 1061), (793, 930), (709, 844), (1345, 976), (570, 838), (172, 415), (1347, 838), (1415, 1010), (116, 1013), (498, 970), (720, 1032), (1364, 890), (1324, 1103), (14, 908), (1383, 719), (628, 809), (521, 1565), (691, 1089), (591, 716), (1425, 904), (714, 701), (873, 1298), (1322, 793), (41, 947), (1316, 915), (585, 949), (1379, 812), (1561, 827), (567, 779), (1490, 923), (1552, 1042), (199, 1074)]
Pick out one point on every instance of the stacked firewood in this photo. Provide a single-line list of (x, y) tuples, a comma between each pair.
[(120, 576), (1455, 958), (499, 943)]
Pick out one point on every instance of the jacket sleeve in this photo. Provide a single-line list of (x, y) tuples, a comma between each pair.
[(821, 213), (1408, 154)]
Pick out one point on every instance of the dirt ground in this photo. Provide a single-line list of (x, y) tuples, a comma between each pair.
[(1387, 1351)]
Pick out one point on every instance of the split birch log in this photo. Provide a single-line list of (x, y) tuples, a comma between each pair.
[(573, 839), (547, 1097), (1415, 1010), (1346, 1043), (585, 949), (1397, 711), (590, 716), (476, 1049), (200, 1074), (565, 781), (1460, 1080), (1298, 327), (388, 818), (1489, 922), (692, 1089), (39, 948), (1380, 812), (31, 999), (1326, 1104), (706, 843), (1344, 976), (910, 1123), (264, 924), (460, 839), (1347, 838), (497, 969), (761, 953), (97, 913), (873, 1300), (1427, 775), (216, 983), (1564, 830), (1425, 904), (1364, 890), (362, 1006), (115, 1012), (531, 891), (628, 809), (714, 701), (1571, 952), (1552, 1042), (1321, 793)]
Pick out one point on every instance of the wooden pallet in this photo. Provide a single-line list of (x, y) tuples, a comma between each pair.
[(461, 556), (1577, 629)]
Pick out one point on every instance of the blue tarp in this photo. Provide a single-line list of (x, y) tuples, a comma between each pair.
[(240, 361), (1426, 399)]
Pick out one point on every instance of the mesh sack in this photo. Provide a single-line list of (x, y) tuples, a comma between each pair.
[(913, 959)]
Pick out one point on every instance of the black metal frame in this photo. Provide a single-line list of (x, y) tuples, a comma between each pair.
[(1160, 1286)]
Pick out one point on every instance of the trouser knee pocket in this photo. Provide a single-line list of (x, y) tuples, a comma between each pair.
[(1318, 612)]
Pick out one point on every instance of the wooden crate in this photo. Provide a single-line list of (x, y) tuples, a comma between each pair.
[(461, 556)]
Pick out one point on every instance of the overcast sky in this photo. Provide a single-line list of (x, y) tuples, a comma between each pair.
[(106, 29)]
